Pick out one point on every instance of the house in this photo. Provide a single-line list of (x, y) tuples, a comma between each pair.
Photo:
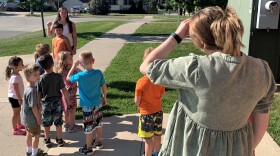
[(81, 4), (121, 5)]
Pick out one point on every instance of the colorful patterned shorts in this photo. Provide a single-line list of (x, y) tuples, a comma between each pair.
[(150, 125), (52, 113), (92, 117)]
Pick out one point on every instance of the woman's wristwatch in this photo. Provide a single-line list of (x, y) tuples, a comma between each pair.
[(176, 37)]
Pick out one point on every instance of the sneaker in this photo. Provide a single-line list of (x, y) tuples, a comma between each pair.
[(47, 141), (98, 145), (59, 142), (19, 132), (66, 128), (28, 154), (85, 151), (20, 126), (75, 128)]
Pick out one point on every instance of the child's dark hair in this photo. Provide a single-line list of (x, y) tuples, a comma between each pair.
[(46, 61), (29, 69), (57, 26), (13, 63)]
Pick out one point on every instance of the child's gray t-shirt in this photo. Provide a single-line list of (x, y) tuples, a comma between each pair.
[(30, 100)]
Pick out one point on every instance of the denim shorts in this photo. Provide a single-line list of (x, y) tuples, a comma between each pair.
[(92, 117), (150, 125), (52, 113)]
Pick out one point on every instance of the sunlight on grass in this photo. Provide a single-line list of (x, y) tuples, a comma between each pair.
[(156, 28), (123, 72)]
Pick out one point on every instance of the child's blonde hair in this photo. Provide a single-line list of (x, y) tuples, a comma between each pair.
[(86, 57), (29, 69), (147, 52), (61, 65), (41, 49), (214, 29)]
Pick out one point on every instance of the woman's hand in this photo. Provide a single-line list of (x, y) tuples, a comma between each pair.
[(183, 29), (49, 23)]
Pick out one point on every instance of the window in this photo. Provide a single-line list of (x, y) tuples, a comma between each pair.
[(113, 2), (127, 2)]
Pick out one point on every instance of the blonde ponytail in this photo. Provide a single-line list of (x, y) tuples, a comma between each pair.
[(218, 30)]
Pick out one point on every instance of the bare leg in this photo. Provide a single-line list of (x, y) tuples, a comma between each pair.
[(58, 132), (47, 132), (66, 117), (98, 134), (36, 142), (15, 118), (149, 145), (28, 139), (157, 143), (89, 138), (72, 115)]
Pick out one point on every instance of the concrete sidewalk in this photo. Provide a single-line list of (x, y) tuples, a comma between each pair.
[(120, 132)]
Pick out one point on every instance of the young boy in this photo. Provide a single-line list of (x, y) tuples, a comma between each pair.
[(31, 116), (41, 49), (90, 80), (60, 42), (49, 88), (148, 100)]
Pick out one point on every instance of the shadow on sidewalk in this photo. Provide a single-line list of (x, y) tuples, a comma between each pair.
[(119, 138)]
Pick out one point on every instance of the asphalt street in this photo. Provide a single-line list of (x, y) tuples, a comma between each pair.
[(15, 23)]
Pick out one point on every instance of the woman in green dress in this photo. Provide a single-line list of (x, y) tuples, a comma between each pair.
[(217, 92)]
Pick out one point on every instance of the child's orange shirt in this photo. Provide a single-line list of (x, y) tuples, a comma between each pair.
[(58, 45), (150, 94)]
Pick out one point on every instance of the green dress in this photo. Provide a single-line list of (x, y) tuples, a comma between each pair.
[(217, 94)]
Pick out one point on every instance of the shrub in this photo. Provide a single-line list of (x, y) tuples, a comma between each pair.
[(100, 7)]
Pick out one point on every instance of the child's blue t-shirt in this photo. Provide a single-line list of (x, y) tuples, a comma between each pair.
[(41, 69), (89, 85)]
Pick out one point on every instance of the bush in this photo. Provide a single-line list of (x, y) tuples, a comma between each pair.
[(100, 7)]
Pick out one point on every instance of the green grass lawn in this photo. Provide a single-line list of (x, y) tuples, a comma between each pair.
[(274, 121), (156, 28), (25, 44), (112, 15), (123, 72)]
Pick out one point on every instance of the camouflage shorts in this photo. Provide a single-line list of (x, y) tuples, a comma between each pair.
[(52, 113), (150, 125)]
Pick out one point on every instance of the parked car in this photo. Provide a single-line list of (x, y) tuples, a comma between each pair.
[(11, 6)]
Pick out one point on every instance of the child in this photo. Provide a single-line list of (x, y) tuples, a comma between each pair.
[(31, 116), (90, 80), (49, 88), (15, 92), (60, 42), (41, 49), (148, 100), (65, 61)]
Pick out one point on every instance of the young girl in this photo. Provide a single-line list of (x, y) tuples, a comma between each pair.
[(65, 61), (15, 92)]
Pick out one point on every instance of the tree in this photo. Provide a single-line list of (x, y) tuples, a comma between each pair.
[(31, 4), (100, 7)]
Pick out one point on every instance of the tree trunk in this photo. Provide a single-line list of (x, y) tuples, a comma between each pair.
[(42, 16), (31, 9)]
